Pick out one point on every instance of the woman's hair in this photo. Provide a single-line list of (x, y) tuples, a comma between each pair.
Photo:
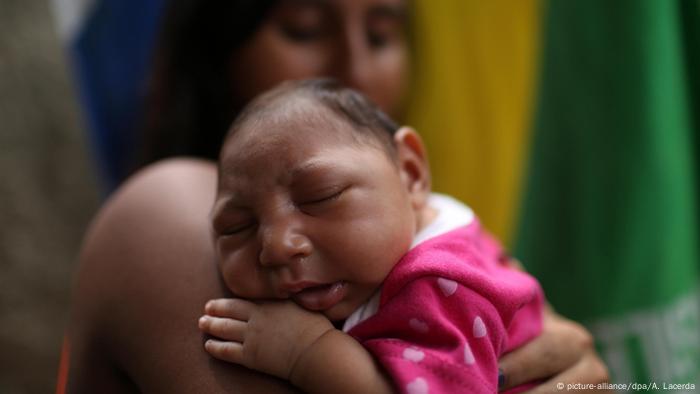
[(189, 103)]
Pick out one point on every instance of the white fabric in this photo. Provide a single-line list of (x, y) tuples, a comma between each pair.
[(70, 16), (450, 215)]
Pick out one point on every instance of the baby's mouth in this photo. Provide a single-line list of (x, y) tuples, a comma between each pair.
[(320, 297)]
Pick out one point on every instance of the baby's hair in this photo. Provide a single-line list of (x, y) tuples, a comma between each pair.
[(348, 104)]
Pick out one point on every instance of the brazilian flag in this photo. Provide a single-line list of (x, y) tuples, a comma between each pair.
[(572, 127)]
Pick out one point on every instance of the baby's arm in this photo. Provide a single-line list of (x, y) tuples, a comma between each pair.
[(285, 340)]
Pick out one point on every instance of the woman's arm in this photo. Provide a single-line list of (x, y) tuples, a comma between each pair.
[(146, 269), (563, 353)]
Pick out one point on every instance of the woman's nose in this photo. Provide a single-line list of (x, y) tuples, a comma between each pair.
[(353, 61), (282, 245)]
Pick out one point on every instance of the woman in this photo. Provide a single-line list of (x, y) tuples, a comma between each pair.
[(147, 266)]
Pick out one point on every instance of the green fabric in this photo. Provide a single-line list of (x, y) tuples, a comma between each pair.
[(610, 218)]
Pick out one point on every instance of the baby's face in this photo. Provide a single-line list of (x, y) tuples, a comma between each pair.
[(306, 212)]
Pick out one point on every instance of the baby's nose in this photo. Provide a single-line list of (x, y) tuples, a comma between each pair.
[(283, 245)]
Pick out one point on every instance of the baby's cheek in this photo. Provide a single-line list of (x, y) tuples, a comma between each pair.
[(398, 238), (392, 248), (241, 276)]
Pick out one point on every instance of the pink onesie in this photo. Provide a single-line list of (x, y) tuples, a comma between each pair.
[(447, 311)]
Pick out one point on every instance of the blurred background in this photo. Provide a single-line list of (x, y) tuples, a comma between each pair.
[(571, 127), (48, 192)]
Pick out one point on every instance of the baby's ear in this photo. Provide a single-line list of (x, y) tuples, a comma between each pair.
[(413, 165)]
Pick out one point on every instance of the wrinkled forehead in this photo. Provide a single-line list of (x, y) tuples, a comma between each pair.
[(286, 130), (288, 123)]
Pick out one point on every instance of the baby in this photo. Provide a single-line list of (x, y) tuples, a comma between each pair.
[(324, 215)]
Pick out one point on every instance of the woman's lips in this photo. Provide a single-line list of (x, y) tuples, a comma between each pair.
[(321, 297)]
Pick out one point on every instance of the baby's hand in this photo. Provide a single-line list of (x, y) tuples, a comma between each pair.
[(268, 337)]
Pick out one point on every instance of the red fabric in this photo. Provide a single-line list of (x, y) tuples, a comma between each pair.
[(62, 379)]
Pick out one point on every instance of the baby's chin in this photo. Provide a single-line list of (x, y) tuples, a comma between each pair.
[(340, 312)]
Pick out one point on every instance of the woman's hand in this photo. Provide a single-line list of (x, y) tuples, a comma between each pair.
[(562, 354), (269, 336)]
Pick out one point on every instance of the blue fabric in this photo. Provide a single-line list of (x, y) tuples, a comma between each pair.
[(111, 55)]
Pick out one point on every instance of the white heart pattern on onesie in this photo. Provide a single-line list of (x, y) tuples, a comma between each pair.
[(468, 355), (479, 328), (418, 325), (413, 354), (447, 286), (417, 386)]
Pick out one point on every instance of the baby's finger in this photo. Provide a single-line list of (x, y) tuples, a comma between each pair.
[(234, 308), (226, 351), (229, 329)]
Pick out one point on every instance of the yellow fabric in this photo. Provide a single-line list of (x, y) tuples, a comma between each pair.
[(472, 97)]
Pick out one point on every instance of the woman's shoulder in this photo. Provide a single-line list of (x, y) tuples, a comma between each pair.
[(175, 168), (171, 196), (161, 204), (167, 193), (171, 181), (156, 222), (146, 268)]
